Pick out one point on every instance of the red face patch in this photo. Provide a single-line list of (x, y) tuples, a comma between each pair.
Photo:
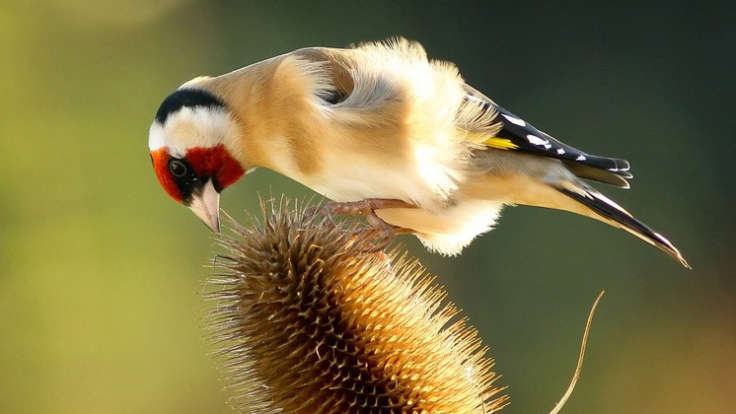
[(208, 163), (216, 163), (160, 158)]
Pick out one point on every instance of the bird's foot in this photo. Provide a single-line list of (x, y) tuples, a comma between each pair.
[(380, 233)]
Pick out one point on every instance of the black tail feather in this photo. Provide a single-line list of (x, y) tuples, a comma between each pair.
[(618, 179), (612, 212)]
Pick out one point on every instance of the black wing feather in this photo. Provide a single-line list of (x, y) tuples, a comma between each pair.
[(529, 139)]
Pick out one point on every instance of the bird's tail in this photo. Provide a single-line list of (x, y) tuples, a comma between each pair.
[(600, 207)]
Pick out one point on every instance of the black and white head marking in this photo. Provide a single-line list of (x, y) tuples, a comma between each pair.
[(191, 118), (189, 98)]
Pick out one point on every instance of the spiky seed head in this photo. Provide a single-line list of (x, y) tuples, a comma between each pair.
[(307, 322)]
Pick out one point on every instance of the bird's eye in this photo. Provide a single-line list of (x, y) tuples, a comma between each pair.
[(177, 168)]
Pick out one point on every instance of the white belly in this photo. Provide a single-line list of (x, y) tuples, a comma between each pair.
[(356, 178), (449, 230)]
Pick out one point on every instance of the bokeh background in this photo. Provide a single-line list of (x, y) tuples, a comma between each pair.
[(101, 274)]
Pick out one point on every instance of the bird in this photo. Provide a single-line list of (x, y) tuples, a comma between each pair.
[(380, 130)]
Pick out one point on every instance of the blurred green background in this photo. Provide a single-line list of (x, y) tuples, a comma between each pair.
[(100, 308)]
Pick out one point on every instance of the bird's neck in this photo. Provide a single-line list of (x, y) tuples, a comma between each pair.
[(271, 102)]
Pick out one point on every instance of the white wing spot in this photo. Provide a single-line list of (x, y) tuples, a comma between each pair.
[(514, 120), (580, 157), (535, 140), (560, 151)]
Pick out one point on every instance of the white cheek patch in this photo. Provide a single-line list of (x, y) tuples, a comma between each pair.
[(156, 136), (188, 128)]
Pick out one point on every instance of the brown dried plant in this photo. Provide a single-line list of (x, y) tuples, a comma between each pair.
[(308, 322)]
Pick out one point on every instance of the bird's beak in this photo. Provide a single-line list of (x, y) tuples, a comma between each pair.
[(206, 206)]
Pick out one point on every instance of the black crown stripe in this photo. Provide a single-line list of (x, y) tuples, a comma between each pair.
[(186, 98)]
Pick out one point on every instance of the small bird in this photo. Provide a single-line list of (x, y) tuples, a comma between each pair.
[(382, 131)]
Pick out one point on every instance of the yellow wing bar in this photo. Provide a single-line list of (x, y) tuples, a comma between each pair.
[(500, 143)]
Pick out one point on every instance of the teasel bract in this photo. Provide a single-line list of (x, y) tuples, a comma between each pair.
[(308, 320)]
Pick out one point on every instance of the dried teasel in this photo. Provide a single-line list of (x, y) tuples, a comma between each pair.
[(307, 321)]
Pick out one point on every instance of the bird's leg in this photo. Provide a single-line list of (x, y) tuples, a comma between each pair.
[(381, 230), (366, 207)]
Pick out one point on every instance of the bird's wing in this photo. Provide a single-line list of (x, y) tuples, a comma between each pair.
[(490, 126)]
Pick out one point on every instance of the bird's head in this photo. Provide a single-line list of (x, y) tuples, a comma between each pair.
[(193, 148)]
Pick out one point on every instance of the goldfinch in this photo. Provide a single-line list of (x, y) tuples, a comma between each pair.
[(402, 137)]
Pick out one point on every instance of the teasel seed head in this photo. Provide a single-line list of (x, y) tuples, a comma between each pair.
[(308, 322)]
